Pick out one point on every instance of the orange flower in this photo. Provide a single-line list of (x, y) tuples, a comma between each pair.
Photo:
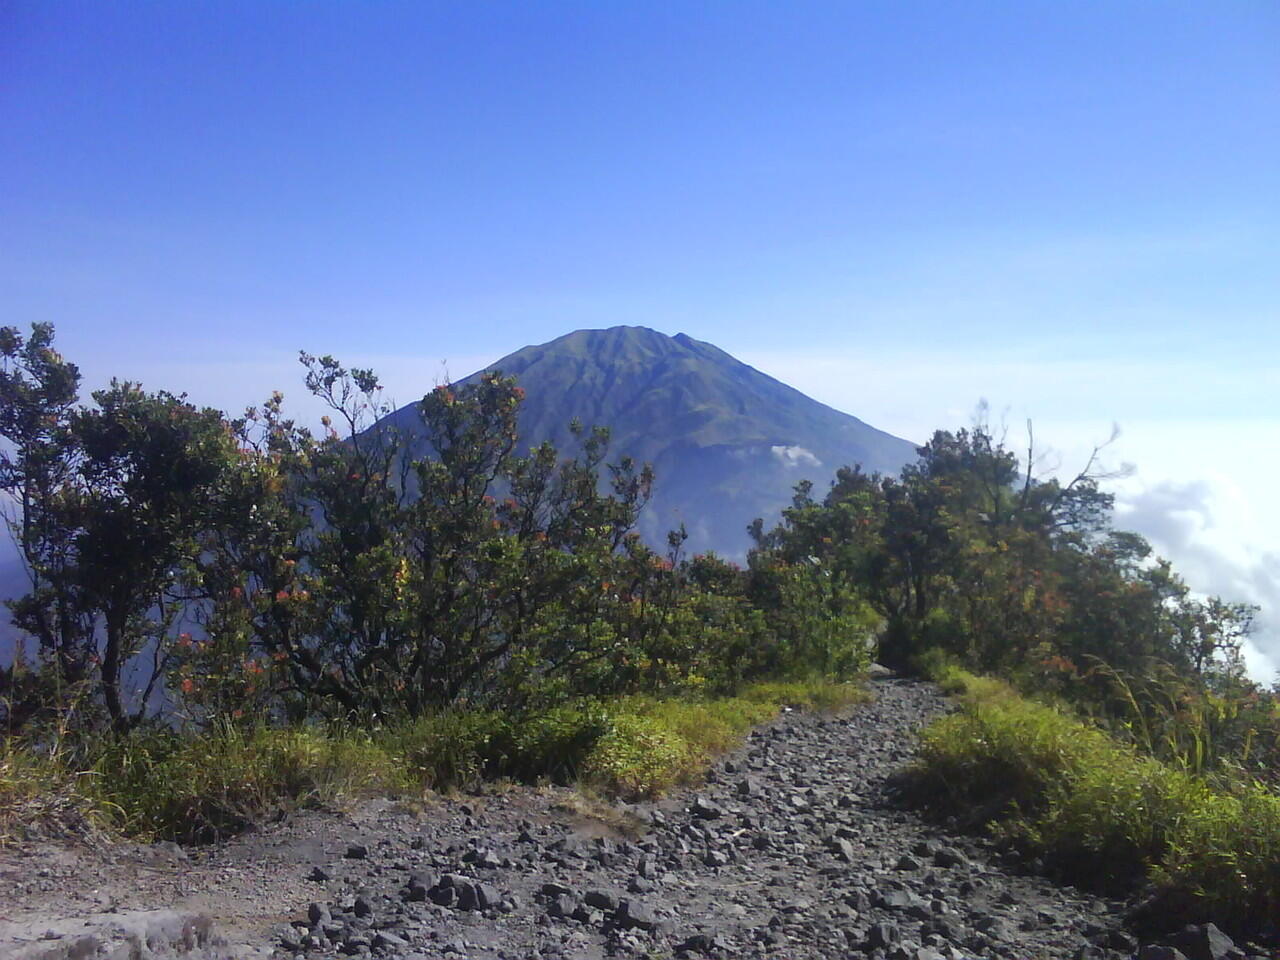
[(188, 685)]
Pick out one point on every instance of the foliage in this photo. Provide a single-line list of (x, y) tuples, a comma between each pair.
[(970, 554), (113, 501), (1099, 811)]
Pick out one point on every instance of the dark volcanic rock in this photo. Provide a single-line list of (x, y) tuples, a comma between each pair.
[(1206, 942)]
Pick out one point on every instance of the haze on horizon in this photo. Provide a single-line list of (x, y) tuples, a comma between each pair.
[(1072, 211)]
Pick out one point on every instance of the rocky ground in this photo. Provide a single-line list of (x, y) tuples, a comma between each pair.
[(792, 849)]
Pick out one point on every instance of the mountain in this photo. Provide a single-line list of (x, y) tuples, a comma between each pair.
[(727, 442)]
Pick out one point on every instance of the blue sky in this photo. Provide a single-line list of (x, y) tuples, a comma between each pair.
[(1071, 209)]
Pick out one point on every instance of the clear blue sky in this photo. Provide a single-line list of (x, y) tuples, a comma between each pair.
[(1070, 207)]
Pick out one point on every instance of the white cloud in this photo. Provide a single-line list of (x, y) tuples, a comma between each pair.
[(794, 456)]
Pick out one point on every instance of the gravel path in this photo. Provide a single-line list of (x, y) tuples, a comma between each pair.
[(789, 850)]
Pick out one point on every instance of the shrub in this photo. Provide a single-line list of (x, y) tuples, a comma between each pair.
[(1098, 811)]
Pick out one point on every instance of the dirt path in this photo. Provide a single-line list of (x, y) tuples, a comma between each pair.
[(789, 850)]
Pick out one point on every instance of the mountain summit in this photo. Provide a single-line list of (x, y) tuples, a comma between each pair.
[(727, 442)]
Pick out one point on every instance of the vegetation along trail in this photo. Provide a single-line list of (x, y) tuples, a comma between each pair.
[(793, 847)]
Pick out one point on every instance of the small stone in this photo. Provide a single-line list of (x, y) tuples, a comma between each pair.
[(601, 900), (442, 896), (319, 875), (993, 927), (882, 936), (1119, 940), (898, 899), (704, 809), (1205, 942), (356, 851), (843, 850), (355, 944), (562, 905), (632, 915)]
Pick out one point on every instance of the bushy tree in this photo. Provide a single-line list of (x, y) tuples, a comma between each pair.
[(113, 502)]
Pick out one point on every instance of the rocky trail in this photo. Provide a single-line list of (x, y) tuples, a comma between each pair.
[(791, 849)]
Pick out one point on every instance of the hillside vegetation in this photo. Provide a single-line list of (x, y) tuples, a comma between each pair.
[(231, 614)]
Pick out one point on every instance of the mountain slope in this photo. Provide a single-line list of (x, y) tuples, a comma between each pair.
[(727, 442)]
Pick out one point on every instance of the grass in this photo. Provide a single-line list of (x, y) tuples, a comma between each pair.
[(206, 786), (197, 787), (39, 796), (1098, 811)]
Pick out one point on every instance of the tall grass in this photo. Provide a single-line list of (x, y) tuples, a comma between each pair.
[(205, 786), (40, 793), (1099, 811), (202, 786)]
